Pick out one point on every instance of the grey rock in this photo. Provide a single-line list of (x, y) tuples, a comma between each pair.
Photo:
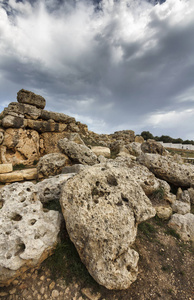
[(191, 195), (28, 233), (181, 207), (77, 153), (102, 207), (50, 189), (57, 117), (151, 146), (27, 97), (184, 225), (73, 169), (167, 169), (51, 164), (12, 122), (28, 111)]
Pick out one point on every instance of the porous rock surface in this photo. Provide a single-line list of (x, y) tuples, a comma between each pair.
[(151, 146), (167, 169), (184, 225), (77, 153), (28, 233), (51, 164), (27, 97), (102, 207)]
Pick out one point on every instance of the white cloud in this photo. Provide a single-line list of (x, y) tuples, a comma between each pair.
[(116, 65)]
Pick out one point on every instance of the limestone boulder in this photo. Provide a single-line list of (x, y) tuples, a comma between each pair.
[(21, 109), (28, 233), (151, 146), (50, 189), (191, 195), (20, 175), (20, 146), (134, 148), (105, 151), (12, 122), (181, 207), (27, 97), (77, 153), (51, 164), (6, 168), (139, 139), (57, 117), (163, 212), (184, 225), (167, 169), (75, 137), (45, 126), (1, 137), (102, 207), (49, 142)]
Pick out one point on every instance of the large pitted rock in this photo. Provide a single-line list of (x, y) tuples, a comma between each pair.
[(49, 141), (27, 97), (105, 151), (57, 117), (184, 225), (51, 164), (167, 169), (12, 122), (28, 233), (77, 153), (102, 208), (151, 146), (20, 146)]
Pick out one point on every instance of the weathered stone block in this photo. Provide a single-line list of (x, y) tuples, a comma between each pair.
[(27, 97)]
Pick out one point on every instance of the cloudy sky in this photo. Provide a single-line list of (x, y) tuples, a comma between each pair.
[(112, 64)]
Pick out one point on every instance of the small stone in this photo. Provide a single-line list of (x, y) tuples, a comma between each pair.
[(39, 297), (45, 296), (87, 292), (3, 294), (42, 277), (55, 294), (42, 290), (13, 291), (52, 285), (15, 282), (22, 286)]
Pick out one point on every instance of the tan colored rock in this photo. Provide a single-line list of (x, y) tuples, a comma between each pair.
[(27, 97), (49, 142), (184, 225), (166, 168), (20, 146), (28, 233), (179, 193), (102, 207), (164, 212), (75, 137), (181, 207), (139, 139), (101, 151), (6, 168), (22, 175), (134, 148), (1, 137), (46, 126), (51, 164), (191, 195)]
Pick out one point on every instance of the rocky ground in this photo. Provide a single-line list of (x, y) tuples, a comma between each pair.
[(166, 270)]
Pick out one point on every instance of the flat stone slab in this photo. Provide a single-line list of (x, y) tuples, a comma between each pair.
[(6, 168), (15, 176)]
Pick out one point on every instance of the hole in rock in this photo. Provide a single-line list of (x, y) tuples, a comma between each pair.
[(8, 232), (96, 192), (128, 268), (97, 183), (22, 199), (119, 203), (8, 256), (124, 199), (33, 221), (21, 248), (16, 217), (96, 201), (28, 190), (111, 180), (1, 203)]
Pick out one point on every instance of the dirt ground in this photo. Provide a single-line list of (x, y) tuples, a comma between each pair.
[(166, 271)]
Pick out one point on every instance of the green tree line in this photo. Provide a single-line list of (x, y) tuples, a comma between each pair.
[(165, 138)]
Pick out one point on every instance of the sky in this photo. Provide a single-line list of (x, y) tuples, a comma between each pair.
[(111, 64)]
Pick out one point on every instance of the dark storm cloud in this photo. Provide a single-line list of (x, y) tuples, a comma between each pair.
[(112, 64)]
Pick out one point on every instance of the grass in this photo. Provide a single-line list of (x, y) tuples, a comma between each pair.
[(159, 193), (148, 230), (172, 232), (19, 167), (65, 263)]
